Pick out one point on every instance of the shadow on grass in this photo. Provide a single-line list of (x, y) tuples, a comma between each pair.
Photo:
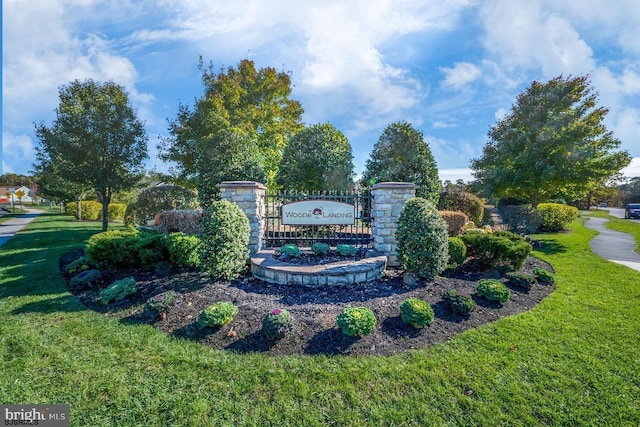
[(51, 305), (551, 247)]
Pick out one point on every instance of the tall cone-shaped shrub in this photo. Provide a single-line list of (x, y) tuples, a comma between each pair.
[(422, 239)]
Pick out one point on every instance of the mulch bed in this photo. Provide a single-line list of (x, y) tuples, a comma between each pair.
[(314, 310)]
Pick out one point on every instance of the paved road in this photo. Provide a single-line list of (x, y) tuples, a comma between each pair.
[(9, 228), (613, 245)]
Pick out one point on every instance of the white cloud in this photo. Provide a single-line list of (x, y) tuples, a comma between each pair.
[(500, 114), (455, 174), (633, 170), (17, 147), (461, 75)]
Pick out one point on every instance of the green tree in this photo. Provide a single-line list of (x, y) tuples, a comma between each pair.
[(317, 158), (237, 130), (401, 154), (553, 144), (96, 140)]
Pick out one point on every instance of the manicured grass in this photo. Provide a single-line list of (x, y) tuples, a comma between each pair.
[(573, 360)]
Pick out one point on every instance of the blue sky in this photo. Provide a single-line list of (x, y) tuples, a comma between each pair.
[(451, 68)]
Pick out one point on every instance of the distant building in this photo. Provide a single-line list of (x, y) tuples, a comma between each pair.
[(6, 192)]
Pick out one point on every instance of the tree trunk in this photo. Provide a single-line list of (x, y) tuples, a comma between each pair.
[(105, 198), (79, 209)]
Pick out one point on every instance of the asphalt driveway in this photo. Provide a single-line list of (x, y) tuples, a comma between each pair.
[(613, 245)]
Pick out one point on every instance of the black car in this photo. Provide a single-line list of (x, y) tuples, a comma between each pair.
[(632, 210)]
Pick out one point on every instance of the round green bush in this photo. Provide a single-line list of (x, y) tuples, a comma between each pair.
[(493, 290), (161, 303), (458, 303), (347, 250), (128, 248), (319, 248), (218, 314), (224, 234), (119, 290), (543, 276), (422, 239), (356, 321), (554, 216), (277, 324), (524, 281), (457, 251), (289, 250), (416, 312), (184, 250)]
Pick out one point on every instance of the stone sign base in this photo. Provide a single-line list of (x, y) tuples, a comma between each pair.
[(265, 266)]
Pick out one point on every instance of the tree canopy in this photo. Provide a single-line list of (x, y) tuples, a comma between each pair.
[(317, 158), (401, 154), (96, 140), (553, 144), (238, 129)]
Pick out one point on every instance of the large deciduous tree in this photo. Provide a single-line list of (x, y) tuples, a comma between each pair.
[(237, 130), (317, 158), (401, 154), (96, 140), (553, 144)]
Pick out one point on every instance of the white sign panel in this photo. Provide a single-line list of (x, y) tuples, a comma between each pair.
[(318, 212)]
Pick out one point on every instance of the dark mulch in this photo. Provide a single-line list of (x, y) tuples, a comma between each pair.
[(314, 310)]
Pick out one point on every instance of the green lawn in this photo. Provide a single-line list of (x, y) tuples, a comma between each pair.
[(573, 360)]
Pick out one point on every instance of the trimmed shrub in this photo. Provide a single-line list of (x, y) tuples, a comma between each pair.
[(422, 239), (456, 221), (154, 200), (457, 251), (503, 250), (462, 201), (116, 249), (458, 303), (114, 211), (85, 278), (161, 303), (347, 250), (543, 276), (524, 281), (183, 250), (555, 217), (493, 290), (289, 251), (320, 248), (218, 314), (179, 221), (416, 312), (277, 324), (91, 210), (118, 290), (356, 321), (225, 236)]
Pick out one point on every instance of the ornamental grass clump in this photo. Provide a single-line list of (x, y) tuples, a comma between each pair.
[(319, 248), (422, 239), (416, 312), (347, 250), (543, 276), (493, 290), (158, 305), (218, 314), (276, 324), (356, 321), (224, 234), (458, 303), (118, 290)]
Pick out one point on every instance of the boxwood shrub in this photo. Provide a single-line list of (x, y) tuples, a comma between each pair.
[(130, 248), (225, 235), (458, 303), (356, 321), (422, 239), (416, 312), (457, 251), (183, 250), (555, 217)]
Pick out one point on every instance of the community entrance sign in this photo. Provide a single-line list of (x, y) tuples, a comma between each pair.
[(318, 212)]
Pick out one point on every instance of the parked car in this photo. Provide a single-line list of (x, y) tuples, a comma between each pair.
[(632, 210)]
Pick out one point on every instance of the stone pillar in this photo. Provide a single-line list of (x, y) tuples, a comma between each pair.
[(388, 200), (250, 197)]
